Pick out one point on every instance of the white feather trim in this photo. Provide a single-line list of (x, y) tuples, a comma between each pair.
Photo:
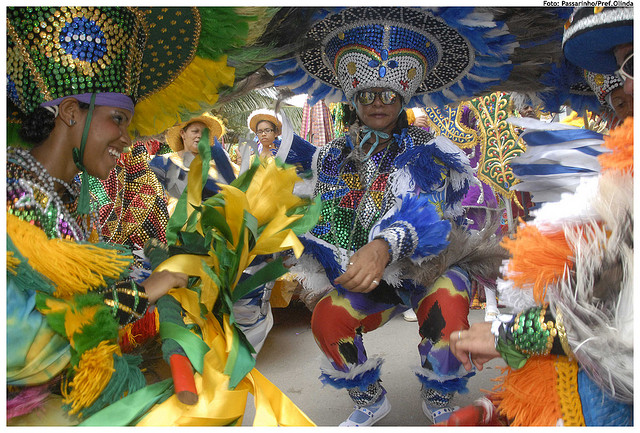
[(354, 370), (572, 209), (304, 189), (401, 182), (529, 123), (515, 299)]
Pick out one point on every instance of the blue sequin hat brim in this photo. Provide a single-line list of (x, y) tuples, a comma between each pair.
[(430, 56), (592, 34)]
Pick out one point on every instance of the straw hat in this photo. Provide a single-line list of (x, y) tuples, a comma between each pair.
[(258, 116), (214, 124)]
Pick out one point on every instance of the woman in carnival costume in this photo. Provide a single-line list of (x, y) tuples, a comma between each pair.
[(66, 296), (570, 346), (391, 196)]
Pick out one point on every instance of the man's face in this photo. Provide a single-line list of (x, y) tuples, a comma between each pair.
[(622, 103)]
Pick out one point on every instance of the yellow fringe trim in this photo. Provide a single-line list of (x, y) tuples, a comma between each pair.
[(72, 267), (91, 376), (12, 263), (527, 396), (193, 90), (567, 388)]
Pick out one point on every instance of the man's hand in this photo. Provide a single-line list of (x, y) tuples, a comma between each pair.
[(366, 267)]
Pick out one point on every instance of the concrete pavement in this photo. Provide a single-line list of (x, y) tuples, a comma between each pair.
[(290, 359)]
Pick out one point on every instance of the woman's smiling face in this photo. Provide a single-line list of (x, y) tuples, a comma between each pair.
[(107, 139)]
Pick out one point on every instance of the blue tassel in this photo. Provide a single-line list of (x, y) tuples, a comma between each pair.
[(323, 255), (458, 385), (301, 153), (222, 162)]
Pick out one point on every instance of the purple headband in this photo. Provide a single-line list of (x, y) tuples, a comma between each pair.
[(110, 99)]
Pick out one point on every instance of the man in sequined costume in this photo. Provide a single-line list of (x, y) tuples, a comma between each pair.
[(391, 194)]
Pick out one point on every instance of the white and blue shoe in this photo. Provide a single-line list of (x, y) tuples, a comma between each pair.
[(368, 415), (438, 415)]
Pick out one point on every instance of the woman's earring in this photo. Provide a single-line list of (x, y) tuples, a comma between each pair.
[(72, 122)]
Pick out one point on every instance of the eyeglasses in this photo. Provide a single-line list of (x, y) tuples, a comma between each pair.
[(366, 97), (626, 69), (264, 131)]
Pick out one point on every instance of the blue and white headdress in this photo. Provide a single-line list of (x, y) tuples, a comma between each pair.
[(429, 56), (592, 33)]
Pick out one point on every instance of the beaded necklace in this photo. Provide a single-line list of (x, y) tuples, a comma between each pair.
[(366, 192), (33, 185)]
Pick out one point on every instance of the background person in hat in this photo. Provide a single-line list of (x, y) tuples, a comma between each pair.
[(66, 296), (172, 169), (267, 127), (570, 349)]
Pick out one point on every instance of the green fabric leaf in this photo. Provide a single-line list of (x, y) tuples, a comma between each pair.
[(193, 243), (251, 223), (194, 347), (270, 272), (177, 220), (311, 214), (243, 181), (240, 362), (204, 150), (130, 409), (212, 219), (514, 358)]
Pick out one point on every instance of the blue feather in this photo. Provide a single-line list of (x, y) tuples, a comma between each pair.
[(320, 93), (361, 381), (305, 86), (222, 162), (279, 67), (432, 232), (290, 78), (323, 255)]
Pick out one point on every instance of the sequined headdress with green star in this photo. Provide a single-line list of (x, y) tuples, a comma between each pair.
[(169, 63), (58, 52)]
